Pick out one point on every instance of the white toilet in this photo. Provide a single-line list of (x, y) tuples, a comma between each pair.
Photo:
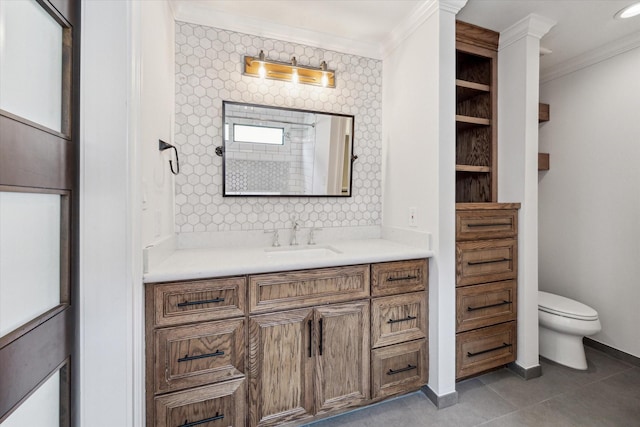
[(563, 323)]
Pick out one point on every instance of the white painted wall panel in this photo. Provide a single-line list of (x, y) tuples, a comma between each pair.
[(589, 200)]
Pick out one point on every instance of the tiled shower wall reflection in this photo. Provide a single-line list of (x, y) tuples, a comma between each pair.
[(208, 71)]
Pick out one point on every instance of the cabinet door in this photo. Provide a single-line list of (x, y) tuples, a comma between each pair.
[(342, 358), (280, 367)]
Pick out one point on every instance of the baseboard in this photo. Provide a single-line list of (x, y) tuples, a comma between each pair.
[(526, 373), (443, 401), (613, 352)]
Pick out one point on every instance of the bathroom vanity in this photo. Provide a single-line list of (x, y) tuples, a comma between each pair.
[(293, 335)]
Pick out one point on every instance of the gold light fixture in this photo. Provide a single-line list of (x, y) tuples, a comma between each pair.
[(259, 66)]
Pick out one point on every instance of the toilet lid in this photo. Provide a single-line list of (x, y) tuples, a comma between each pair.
[(561, 306)]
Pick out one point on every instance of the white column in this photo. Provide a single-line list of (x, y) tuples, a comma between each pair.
[(442, 298), (518, 83)]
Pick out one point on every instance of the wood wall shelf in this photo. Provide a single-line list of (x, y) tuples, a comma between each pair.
[(543, 161), (543, 116), (543, 113), (473, 169)]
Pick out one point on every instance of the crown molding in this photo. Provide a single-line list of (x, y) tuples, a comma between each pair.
[(531, 25), (420, 14), (591, 57), (195, 13)]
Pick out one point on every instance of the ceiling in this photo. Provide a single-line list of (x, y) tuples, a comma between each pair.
[(364, 26)]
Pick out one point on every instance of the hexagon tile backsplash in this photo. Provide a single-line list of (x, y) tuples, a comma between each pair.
[(208, 71)]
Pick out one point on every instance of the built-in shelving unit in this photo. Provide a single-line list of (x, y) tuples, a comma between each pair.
[(476, 114)]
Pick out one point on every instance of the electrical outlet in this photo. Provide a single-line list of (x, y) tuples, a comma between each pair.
[(413, 217)]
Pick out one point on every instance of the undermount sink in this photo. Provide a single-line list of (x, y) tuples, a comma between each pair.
[(308, 251)]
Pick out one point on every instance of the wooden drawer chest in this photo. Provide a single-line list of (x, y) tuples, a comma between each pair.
[(486, 286)]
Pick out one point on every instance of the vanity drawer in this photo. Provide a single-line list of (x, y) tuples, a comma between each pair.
[(486, 224), (478, 306), (398, 318), (198, 301), (399, 368), (485, 348), (278, 291), (389, 278), (218, 405), (486, 261), (188, 356)]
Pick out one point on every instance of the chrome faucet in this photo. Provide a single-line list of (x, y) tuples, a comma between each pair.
[(294, 230), (275, 243), (312, 236)]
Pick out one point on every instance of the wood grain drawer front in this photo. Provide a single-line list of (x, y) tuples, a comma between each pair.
[(398, 277), (399, 368), (398, 318), (198, 301), (490, 224), (478, 306), (486, 261), (485, 348), (278, 291), (188, 356), (218, 405)]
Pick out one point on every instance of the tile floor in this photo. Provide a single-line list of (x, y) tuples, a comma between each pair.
[(607, 394)]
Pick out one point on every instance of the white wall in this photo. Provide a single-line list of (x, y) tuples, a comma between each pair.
[(126, 104), (157, 99), (418, 168), (589, 199)]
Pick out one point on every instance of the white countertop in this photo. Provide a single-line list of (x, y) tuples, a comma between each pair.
[(201, 263)]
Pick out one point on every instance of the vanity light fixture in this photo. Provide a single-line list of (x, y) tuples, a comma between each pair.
[(259, 66), (629, 11)]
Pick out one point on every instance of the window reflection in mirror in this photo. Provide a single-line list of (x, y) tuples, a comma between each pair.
[(272, 151)]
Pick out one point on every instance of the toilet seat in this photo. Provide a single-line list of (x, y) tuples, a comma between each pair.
[(565, 307)]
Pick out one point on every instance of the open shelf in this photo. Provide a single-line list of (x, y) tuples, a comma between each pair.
[(473, 169), (467, 122), (466, 90)]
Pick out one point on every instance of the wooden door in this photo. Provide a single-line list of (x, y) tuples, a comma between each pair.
[(280, 367), (342, 357), (39, 127)]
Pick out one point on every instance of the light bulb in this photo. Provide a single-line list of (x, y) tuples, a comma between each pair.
[(324, 80), (262, 71), (628, 12), (294, 71)]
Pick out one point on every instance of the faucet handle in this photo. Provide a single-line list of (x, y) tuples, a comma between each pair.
[(276, 236), (312, 231)]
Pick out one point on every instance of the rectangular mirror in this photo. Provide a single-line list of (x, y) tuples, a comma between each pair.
[(273, 151)]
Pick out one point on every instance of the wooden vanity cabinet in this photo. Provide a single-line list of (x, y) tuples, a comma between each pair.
[(195, 353), (399, 327), (310, 361), (307, 344), (486, 286)]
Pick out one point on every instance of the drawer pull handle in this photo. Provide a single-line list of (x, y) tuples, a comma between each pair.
[(321, 337), (206, 301), (504, 302), (395, 279), (397, 371), (188, 358), (500, 347), (402, 320), (218, 416), (487, 224), (310, 325), (488, 261)]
